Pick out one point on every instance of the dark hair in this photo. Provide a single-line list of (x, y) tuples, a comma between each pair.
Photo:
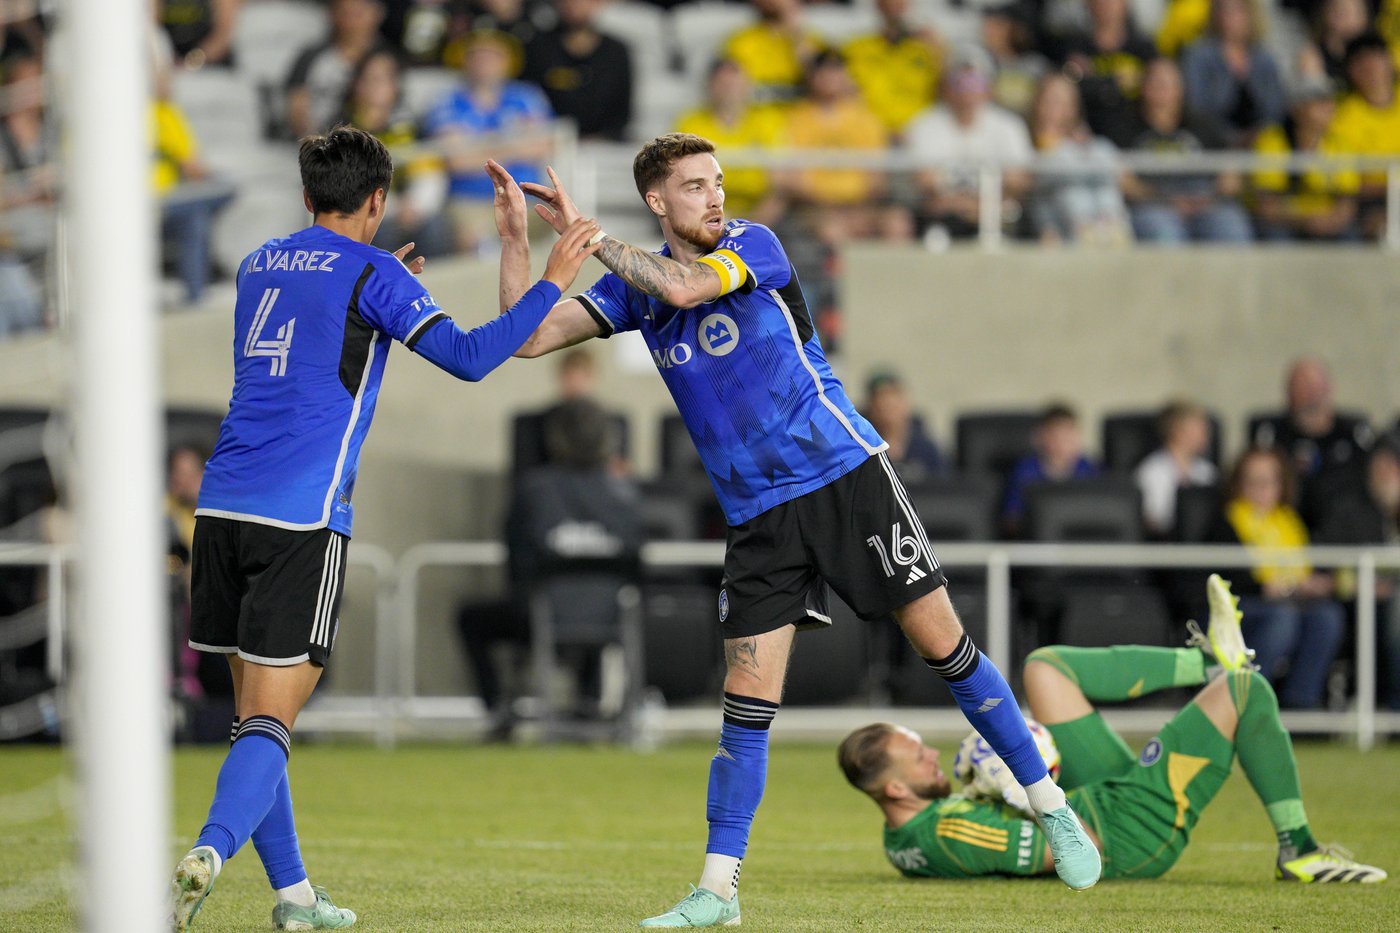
[(347, 103), (177, 450), (578, 434), (1285, 469), (864, 755), (1057, 411), (653, 163), (342, 168), (1366, 42)]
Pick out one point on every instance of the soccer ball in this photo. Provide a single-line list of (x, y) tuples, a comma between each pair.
[(984, 774)]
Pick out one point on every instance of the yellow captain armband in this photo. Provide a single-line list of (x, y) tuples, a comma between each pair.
[(732, 271)]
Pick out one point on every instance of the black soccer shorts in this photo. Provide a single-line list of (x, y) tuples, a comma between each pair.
[(269, 595), (859, 534)]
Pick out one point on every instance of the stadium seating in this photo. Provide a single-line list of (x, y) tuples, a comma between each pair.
[(1196, 509), (1128, 437), (992, 442), (831, 665), (1103, 509), (701, 29), (1103, 613), (424, 87), (681, 647), (528, 444), (584, 610), (959, 507), (270, 33)]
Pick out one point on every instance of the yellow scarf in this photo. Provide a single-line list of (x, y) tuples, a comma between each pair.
[(1280, 527)]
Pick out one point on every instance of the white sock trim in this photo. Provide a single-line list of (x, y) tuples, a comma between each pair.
[(299, 894), (721, 875), (213, 857), (1045, 795)]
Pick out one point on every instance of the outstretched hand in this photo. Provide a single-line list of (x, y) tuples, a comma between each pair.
[(413, 265), (558, 209), (570, 251), (509, 203)]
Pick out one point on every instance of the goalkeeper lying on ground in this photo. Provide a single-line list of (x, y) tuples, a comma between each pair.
[(1141, 809)]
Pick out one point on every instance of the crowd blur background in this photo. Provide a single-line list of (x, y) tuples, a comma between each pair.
[(1046, 130)]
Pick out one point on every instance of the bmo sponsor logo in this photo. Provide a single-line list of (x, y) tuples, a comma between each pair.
[(718, 334), (675, 355)]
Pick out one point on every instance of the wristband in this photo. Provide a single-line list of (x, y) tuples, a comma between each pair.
[(596, 238)]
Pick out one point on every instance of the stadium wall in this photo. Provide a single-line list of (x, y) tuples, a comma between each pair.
[(1106, 331)]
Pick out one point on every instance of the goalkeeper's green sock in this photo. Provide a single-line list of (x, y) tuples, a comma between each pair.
[(1124, 672), (1266, 755)]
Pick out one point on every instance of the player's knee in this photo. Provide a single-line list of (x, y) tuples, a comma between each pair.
[(1041, 662), (1247, 686)]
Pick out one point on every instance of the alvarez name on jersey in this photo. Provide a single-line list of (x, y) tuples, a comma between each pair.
[(769, 419), (315, 314)]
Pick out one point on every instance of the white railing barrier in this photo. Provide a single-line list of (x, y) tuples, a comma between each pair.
[(394, 706)]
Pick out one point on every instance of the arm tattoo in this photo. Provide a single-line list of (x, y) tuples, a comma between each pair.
[(741, 653), (648, 272)]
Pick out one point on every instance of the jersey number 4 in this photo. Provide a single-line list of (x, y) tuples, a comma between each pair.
[(277, 349)]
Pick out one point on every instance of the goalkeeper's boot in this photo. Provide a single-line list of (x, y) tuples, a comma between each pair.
[(193, 880), (1222, 640), (1077, 861), (1327, 864), (699, 908), (323, 915)]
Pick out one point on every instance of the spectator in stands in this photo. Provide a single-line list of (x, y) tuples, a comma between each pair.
[(1289, 615), (321, 74), (730, 119), (1082, 203), (513, 114), (1315, 204), (1367, 122), (577, 375), (888, 408), (777, 51), (896, 68), (586, 74), (22, 30), (574, 508), (834, 116), (190, 197), (1058, 457), (1373, 517), (1337, 23), (21, 301), (183, 476), (1326, 449), (1008, 34), (200, 31), (375, 104), (27, 157), (967, 128), (1109, 61), (1231, 76), (1179, 462), (1175, 208)]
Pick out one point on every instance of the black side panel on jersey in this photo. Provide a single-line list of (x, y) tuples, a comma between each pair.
[(359, 336), (791, 293)]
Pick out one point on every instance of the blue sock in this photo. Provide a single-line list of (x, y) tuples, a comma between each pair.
[(247, 784), (276, 841), (737, 773), (986, 700)]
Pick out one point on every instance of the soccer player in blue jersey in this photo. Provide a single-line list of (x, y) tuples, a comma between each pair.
[(807, 488), (315, 314)]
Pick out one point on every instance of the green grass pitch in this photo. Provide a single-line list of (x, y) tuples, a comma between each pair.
[(504, 839)]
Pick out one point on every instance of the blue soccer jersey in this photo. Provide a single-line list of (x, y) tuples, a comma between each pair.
[(748, 375), (315, 314)]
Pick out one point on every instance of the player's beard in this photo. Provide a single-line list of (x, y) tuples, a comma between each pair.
[(700, 236), (935, 789)]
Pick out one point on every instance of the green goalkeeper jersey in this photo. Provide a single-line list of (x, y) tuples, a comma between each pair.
[(961, 837)]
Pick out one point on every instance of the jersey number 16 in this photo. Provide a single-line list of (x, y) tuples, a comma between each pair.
[(277, 349)]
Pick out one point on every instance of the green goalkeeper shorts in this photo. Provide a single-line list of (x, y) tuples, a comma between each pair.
[(1144, 816)]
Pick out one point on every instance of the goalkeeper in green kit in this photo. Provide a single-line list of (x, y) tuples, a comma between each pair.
[(1139, 809)]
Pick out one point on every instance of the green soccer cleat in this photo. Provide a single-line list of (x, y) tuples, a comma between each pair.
[(1222, 640), (323, 916), (1328, 864), (699, 908), (193, 880), (1077, 862)]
